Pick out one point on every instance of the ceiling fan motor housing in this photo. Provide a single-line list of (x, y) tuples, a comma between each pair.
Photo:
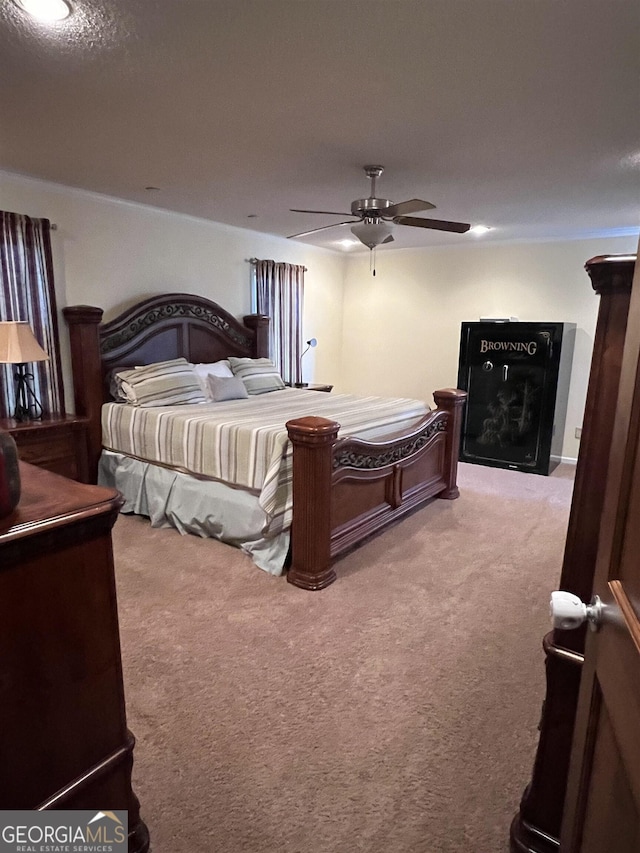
[(372, 207)]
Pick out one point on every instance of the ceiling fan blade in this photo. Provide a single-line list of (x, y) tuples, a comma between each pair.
[(330, 212), (388, 240), (413, 205), (323, 228), (436, 224)]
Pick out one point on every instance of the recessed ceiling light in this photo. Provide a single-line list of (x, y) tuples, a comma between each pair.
[(480, 229), (348, 244), (45, 10)]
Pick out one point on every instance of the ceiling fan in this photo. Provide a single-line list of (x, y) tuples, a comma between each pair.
[(373, 216)]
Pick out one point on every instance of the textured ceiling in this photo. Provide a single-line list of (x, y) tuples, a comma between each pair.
[(520, 114)]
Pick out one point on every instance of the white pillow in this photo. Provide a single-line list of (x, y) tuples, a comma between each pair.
[(215, 368)]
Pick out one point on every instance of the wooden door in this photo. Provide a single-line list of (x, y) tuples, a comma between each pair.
[(602, 811)]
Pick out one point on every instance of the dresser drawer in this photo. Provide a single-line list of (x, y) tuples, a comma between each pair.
[(56, 444), (56, 453), (51, 445)]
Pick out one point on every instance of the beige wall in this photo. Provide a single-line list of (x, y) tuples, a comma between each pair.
[(394, 334), (402, 328), (112, 254)]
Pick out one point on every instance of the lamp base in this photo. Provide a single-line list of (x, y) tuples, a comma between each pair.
[(300, 384), (28, 406)]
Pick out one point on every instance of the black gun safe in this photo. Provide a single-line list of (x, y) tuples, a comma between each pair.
[(517, 378)]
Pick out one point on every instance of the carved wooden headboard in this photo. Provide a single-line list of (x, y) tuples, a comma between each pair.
[(160, 328)]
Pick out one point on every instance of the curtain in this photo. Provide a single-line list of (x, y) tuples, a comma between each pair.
[(27, 293), (279, 292)]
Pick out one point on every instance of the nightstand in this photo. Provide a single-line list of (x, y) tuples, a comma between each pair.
[(310, 386), (55, 442)]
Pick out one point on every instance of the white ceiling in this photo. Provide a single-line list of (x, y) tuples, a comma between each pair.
[(520, 114)]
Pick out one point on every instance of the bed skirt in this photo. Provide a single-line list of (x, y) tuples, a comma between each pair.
[(206, 508)]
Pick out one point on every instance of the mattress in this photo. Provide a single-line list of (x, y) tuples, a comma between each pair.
[(244, 443)]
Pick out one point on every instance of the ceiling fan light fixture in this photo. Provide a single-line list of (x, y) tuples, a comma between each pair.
[(45, 10), (372, 234)]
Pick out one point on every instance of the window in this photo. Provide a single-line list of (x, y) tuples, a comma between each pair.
[(27, 293), (279, 293)]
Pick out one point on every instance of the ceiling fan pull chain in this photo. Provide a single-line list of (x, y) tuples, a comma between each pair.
[(372, 261)]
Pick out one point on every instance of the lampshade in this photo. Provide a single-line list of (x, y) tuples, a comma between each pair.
[(310, 343), (372, 234), (18, 344)]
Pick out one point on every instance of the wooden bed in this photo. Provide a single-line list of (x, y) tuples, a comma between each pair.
[(344, 490)]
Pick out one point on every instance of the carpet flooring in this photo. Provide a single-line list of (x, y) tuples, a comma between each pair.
[(393, 712)]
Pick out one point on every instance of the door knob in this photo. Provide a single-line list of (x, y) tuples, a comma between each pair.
[(569, 612)]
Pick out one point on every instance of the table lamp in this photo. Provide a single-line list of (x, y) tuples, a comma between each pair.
[(18, 346)]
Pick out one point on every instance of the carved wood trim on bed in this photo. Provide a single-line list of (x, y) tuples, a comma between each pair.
[(343, 490)]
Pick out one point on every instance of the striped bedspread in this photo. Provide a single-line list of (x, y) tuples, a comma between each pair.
[(244, 443)]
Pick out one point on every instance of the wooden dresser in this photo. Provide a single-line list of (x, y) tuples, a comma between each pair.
[(55, 442), (62, 711)]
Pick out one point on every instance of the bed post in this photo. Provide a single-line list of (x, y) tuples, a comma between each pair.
[(312, 439), (452, 401), (260, 325), (83, 322)]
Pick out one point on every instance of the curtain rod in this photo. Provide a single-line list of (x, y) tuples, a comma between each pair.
[(256, 260)]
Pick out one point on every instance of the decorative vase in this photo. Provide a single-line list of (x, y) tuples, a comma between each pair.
[(9, 474)]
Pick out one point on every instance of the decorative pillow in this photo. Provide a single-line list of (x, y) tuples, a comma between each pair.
[(165, 383), (216, 368), (258, 374), (223, 388)]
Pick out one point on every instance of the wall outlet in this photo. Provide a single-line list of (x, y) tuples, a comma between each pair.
[(578, 432)]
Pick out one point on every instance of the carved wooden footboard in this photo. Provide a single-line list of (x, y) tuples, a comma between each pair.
[(344, 490)]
